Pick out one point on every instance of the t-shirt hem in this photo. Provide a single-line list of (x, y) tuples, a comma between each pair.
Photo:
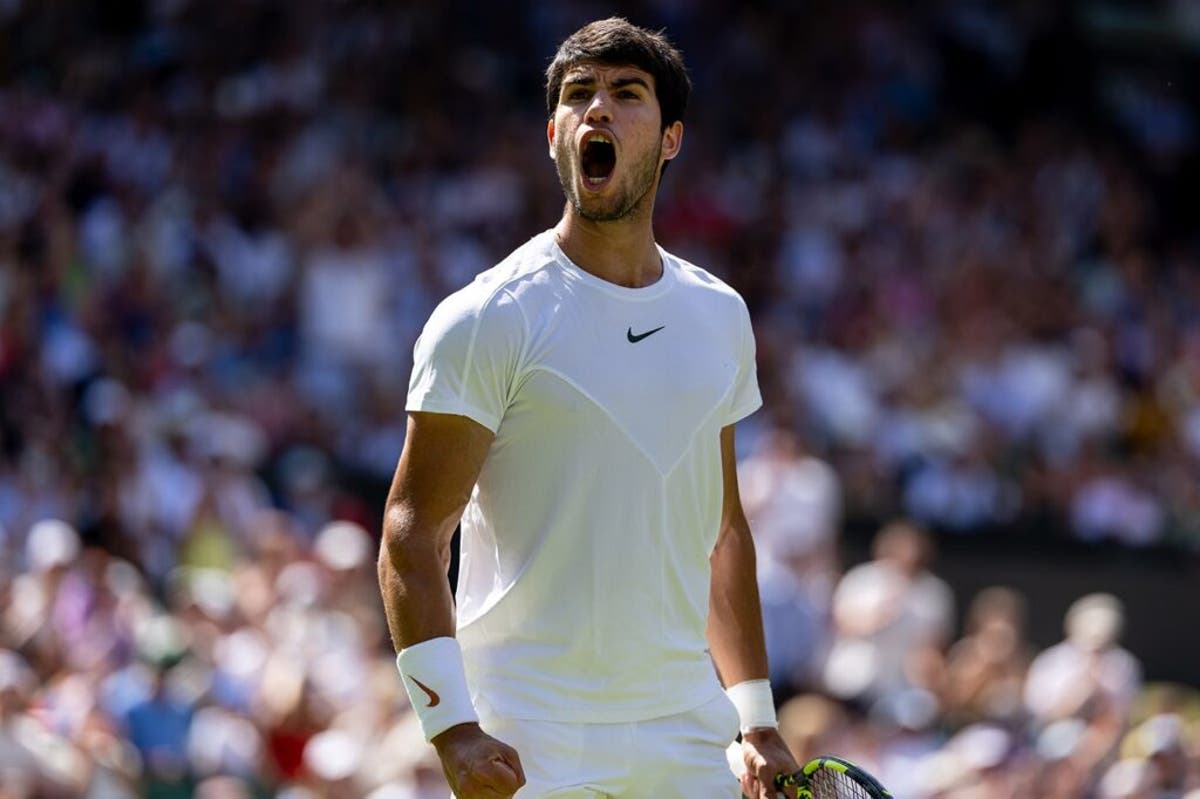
[(455, 409), (738, 414)]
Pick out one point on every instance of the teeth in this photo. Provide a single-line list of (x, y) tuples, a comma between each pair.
[(601, 137)]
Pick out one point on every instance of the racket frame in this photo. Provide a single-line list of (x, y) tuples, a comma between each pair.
[(802, 779)]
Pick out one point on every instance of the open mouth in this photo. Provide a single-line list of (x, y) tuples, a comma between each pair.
[(598, 158)]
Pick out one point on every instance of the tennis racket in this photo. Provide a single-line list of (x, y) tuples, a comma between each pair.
[(832, 778)]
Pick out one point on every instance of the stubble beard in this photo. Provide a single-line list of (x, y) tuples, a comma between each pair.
[(626, 203)]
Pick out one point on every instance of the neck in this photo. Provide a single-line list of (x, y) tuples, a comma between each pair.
[(622, 252)]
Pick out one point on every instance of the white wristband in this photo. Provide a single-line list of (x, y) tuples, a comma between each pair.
[(755, 704), (436, 682)]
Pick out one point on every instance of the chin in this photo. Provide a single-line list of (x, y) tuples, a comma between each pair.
[(601, 213)]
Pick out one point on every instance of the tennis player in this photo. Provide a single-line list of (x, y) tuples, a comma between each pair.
[(574, 407)]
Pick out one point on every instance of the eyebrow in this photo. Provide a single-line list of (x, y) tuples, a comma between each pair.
[(585, 79)]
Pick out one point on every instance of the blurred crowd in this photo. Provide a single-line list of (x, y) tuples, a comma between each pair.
[(271, 676), (268, 677), (871, 665), (961, 228)]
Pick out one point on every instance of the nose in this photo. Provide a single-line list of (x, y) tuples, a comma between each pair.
[(600, 108)]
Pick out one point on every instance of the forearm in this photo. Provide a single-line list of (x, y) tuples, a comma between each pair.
[(420, 612), (413, 565), (434, 479), (735, 633)]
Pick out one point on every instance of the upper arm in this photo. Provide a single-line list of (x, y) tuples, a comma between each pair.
[(442, 457), (733, 517)]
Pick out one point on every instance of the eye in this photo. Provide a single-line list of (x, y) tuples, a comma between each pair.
[(574, 95), (629, 94)]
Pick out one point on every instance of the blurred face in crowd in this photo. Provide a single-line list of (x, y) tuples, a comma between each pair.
[(904, 546), (608, 141)]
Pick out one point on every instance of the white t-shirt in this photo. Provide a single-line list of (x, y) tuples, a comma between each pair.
[(1062, 679), (584, 578)]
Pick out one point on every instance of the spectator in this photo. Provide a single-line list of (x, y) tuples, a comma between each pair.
[(890, 614), (158, 725), (985, 670), (1087, 675), (1089, 678)]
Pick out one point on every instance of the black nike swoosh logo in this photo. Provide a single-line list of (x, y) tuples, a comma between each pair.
[(634, 339)]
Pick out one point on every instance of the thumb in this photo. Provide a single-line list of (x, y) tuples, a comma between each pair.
[(498, 774)]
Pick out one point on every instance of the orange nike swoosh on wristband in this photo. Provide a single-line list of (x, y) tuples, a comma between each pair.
[(434, 699)]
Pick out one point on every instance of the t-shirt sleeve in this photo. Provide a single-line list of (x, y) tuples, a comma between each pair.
[(465, 361), (746, 397)]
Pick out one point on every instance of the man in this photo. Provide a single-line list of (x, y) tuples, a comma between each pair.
[(574, 407)]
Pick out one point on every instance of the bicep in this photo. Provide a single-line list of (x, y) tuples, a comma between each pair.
[(731, 502), (442, 457), (733, 517)]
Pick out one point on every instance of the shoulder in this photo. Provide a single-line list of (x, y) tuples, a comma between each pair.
[(701, 280), (1055, 655), (929, 584), (1124, 659), (706, 288), (491, 300), (863, 583)]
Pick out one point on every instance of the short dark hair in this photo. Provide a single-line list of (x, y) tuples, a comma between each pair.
[(616, 41)]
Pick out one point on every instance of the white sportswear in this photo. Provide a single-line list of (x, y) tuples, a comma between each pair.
[(584, 579)]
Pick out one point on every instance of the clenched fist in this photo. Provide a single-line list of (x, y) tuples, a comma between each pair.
[(476, 765)]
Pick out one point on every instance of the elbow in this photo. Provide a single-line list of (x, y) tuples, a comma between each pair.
[(735, 536), (397, 539), (408, 544)]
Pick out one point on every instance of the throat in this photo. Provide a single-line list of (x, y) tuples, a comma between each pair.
[(628, 258)]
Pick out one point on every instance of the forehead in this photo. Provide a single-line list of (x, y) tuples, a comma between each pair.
[(596, 72)]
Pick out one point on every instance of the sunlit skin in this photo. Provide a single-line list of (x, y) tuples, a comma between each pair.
[(607, 228)]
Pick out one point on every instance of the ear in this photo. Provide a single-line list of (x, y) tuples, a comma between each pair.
[(672, 140), (550, 136)]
